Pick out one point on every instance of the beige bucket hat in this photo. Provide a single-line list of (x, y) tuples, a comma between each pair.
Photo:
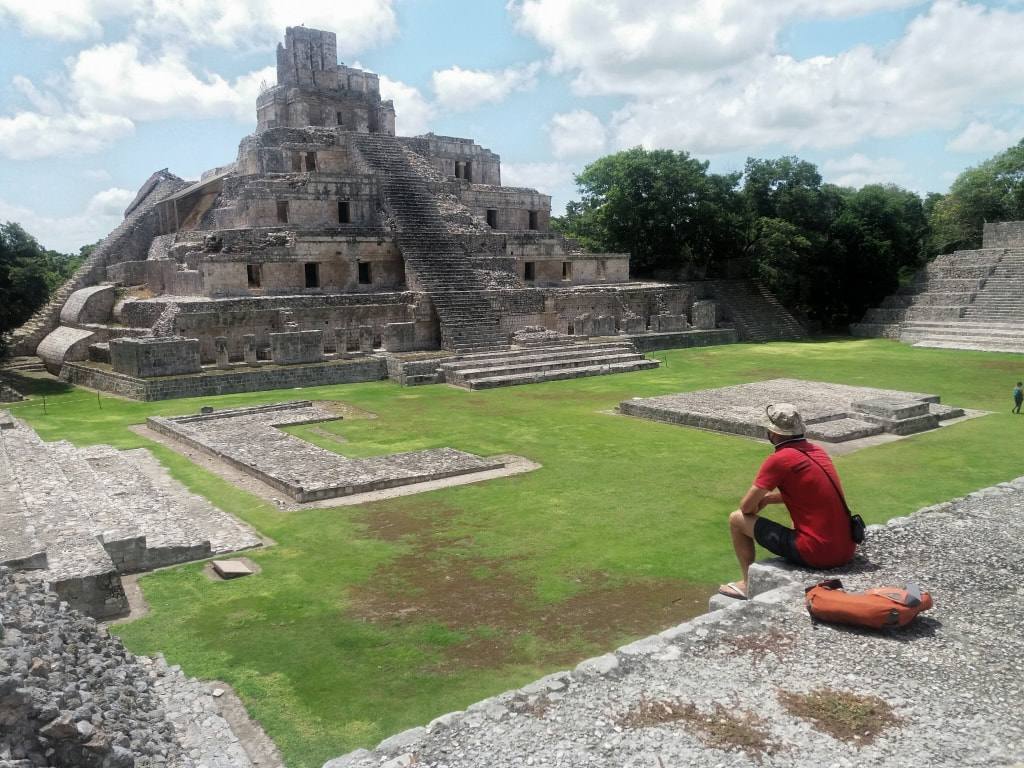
[(783, 419)]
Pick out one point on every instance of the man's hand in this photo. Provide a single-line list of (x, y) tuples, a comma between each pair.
[(752, 500)]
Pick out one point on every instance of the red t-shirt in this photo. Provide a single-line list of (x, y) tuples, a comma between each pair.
[(822, 525)]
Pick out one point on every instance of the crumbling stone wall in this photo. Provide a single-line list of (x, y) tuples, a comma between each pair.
[(1003, 234), (160, 356)]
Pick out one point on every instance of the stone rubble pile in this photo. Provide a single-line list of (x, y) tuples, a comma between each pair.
[(71, 696)]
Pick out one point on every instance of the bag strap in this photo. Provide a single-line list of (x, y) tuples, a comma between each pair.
[(839, 493)]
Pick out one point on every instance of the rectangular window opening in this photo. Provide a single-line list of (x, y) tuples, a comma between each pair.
[(282, 211), (567, 270), (365, 277), (312, 274), (467, 171), (341, 119), (252, 273), (344, 212), (530, 271), (492, 218), (311, 161), (533, 220)]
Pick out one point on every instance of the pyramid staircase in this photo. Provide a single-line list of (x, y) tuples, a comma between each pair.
[(86, 515), (966, 300), (435, 260), (530, 365), (756, 314)]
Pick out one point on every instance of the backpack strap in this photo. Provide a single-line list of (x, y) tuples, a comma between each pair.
[(835, 487)]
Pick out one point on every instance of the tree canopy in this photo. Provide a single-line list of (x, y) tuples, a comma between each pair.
[(29, 273)]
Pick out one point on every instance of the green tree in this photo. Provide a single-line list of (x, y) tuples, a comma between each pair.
[(660, 206), (29, 273), (992, 191)]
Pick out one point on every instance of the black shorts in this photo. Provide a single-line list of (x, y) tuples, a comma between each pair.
[(777, 539)]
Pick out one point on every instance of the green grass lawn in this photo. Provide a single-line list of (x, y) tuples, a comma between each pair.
[(368, 620)]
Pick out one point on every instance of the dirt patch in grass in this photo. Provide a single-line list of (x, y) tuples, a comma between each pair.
[(345, 410), (721, 728), (439, 579), (1014, 366), (850, 717)]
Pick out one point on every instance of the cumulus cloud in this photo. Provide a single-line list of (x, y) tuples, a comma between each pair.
[(707, 76), (540, 176), (224, 23), (413, 112), (29, 135), (576, 133), (984, 137), (117, 79), (464, 89), (859, 169), (101, 214)]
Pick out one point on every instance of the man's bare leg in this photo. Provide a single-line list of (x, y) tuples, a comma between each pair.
[(742, 529)]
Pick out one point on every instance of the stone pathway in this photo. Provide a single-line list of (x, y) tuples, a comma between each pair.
[(946, 691)]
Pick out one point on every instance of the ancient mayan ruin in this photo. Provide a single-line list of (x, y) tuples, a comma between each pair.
[(964, 300), (330, 240)]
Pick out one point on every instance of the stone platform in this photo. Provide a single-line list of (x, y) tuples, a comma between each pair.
[(250, 439), (833, 413), (84, 516)]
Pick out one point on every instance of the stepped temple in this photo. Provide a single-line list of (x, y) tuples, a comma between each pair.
[(332, 250), (964, 300)]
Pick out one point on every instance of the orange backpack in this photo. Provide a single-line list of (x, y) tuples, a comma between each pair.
[(879, 608)]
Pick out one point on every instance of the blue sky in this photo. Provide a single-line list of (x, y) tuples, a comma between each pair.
[(95, 94)]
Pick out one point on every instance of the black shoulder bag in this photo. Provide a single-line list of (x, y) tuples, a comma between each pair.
[(856, 521)]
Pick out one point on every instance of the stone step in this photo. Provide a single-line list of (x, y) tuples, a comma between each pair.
[(979, 345), (553, 352), (515, 368), (561, 374)]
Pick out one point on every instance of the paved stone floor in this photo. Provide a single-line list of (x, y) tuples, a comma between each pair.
[(953, 681), (834, 413), (251, 440)]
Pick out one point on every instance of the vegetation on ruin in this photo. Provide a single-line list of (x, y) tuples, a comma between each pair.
[(369, 619), (29, 273)]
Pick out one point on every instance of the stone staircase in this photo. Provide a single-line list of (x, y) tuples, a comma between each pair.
[(966, 300), (435, 261), (755, 312), (85, 516), (530, 365)]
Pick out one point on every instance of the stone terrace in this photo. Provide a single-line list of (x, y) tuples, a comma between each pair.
[(954, 679), (833, 413), (250, 440), (87, 515)]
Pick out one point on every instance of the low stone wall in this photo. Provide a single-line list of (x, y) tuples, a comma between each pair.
[(649, 342), (159, 356), (226, 382), (414, 372)]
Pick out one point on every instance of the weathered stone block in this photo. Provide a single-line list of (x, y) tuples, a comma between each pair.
[(366, 338), (155, 356), (633, 324), (293, 347), (669, 323), (400, 337), (249, 348), (705, 315), (602, 325), (220, 347)]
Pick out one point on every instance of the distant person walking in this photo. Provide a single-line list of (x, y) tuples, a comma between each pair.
[(800, 475), (1018, 397)]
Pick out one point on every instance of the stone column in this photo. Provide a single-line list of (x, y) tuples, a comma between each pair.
[(341, 341), (366, 338), (249, 348), (705, 315), (220, 348)]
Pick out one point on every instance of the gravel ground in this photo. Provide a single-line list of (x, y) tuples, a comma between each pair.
[(946, 691)]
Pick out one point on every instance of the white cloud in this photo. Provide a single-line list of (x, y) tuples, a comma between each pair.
[(101, 214), (858, 170), (984, 137), (66, 19), (223, 23), (635, 46), (464, 89), (29, 135), (576, 133), (706, 76), (116, 79), (540, 176), (413, 112)]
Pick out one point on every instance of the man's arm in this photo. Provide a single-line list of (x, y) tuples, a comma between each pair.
[(754, 500)]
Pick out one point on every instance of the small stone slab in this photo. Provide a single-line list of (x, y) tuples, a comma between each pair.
[(231, 569), (6, 420), (895, 410)]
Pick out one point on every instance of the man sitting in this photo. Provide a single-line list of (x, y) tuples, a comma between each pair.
[(800, 475)]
